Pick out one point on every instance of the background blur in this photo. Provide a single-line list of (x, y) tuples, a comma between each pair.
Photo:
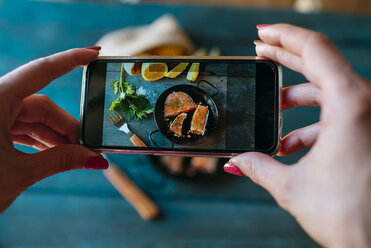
[(80, 208)]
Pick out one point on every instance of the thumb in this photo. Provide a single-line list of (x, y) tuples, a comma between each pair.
[(63, 158), (262, 169)]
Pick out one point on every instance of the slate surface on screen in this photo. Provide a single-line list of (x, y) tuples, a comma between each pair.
[(229, 89)]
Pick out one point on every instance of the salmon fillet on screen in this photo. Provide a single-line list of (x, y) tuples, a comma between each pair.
[(178, 102), (199, 120), (177, 125), (185, 101)]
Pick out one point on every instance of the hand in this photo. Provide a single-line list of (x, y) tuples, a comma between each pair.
[(35, 120), (328, 190)]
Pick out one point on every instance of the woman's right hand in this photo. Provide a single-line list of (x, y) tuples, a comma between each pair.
[(328, 190)]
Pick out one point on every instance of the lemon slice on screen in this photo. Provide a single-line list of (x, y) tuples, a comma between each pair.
[(153, 71), (129, 68), (177, 70), (193, 72)]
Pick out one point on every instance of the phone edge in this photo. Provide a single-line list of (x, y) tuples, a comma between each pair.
[(280, 113), (181, 153)]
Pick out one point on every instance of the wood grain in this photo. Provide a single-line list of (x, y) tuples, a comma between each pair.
[(137, 141)]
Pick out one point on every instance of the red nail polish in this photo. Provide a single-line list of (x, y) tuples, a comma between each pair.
[(96, 163), (233, 169), (259, 26), (97, 48), (258, 42)]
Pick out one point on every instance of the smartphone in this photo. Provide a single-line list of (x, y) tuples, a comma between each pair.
[(187, 106)]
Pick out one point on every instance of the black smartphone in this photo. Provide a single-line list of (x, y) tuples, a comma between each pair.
[(188, 106)]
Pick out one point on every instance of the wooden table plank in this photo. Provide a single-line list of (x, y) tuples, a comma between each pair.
[(158, 185), (92, 222)]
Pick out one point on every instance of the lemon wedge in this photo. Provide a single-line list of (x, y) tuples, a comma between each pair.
[(177, 70), (129, 68), (153, 71), (193, 72)]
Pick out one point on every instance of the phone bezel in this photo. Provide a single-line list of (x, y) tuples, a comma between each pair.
[(162, 151)]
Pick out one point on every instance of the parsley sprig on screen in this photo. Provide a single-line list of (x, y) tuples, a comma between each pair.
[(128, 100)]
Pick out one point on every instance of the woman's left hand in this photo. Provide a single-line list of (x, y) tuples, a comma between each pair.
[(35, 120)]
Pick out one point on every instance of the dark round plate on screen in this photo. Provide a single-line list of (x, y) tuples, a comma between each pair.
[(199, 97)]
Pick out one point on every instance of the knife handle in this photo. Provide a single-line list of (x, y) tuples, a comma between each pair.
[(136, 141)]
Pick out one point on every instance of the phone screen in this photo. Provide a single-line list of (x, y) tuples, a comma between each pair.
[(208, 106)]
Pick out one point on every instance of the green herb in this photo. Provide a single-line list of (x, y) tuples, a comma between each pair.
[(128, 100)]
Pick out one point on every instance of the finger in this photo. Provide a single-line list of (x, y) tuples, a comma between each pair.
[(41, 109), (323, 62), (280, 55), (38, 132), (299, 139), (28, 141), (291, 38), (306, 94), (262, 169), (34, 76), (59, 159)]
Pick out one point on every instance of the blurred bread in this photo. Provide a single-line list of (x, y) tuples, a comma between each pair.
[(162, 37)]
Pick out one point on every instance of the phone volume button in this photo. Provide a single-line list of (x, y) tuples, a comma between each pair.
[(281, 122)]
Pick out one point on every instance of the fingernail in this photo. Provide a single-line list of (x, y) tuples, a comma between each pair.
[(96, 163), (97, 48), (233, 169), (258, 42), (259, 26)]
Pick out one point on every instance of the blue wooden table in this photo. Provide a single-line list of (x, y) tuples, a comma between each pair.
[(81, 209)]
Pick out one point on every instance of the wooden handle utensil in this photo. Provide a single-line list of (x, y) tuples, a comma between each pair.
[(121, 123), (146, 208), (136, 141)]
